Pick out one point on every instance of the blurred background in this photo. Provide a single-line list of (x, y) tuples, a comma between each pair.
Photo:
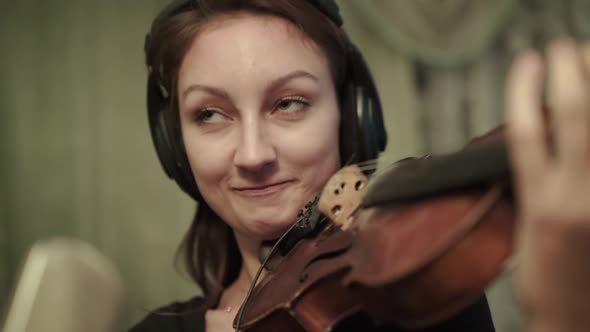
[(76, 158)]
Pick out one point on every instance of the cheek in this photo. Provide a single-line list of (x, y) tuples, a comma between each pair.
[(315, 147), (208, 159)]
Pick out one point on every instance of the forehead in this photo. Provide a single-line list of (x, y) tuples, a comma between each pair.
[(243, 43)]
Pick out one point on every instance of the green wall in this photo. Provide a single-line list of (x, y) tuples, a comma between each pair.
[(76, 156)]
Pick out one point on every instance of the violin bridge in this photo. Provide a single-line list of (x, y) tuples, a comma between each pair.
[(342, 196)]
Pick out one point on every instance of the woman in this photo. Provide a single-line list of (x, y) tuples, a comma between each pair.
[(257, 112)]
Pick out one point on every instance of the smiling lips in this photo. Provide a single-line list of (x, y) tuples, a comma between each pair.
[(262, 190)]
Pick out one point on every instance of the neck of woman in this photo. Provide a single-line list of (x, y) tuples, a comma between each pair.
[(234, 294)]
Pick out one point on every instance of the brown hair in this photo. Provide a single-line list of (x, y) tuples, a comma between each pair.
[(209, 250)]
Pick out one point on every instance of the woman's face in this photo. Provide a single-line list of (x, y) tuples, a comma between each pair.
[(259, 119)]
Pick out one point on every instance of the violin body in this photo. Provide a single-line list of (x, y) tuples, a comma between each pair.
[(412, 263)]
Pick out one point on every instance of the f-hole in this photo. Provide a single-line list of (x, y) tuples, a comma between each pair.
[(327, 255)]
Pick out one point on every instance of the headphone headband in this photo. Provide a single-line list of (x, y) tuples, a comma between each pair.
[(330, 9)]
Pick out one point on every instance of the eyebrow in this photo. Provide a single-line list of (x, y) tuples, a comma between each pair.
[(293, 75), (274, 84), (208, 89)]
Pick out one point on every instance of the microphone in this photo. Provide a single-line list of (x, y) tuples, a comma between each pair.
[(66, 285)]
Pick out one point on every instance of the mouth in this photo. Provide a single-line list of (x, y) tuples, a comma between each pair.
[(262, 190)]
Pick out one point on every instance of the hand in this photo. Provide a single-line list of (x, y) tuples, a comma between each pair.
[(551, 167)]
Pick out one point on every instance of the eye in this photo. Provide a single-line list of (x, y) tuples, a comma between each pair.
[(208, 115), (292, 105)]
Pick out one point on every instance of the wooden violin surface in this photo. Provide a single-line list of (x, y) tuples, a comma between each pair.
[(413, 262)]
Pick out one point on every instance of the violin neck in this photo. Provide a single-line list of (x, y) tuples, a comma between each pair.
[(476, 165)]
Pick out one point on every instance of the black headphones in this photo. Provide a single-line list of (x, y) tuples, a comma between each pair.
[(165, 125)]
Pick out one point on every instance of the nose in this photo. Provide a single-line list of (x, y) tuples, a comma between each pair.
[(255, 150)]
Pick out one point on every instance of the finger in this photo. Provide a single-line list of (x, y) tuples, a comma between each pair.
[(569, 102), (525, 125), (585, 49)]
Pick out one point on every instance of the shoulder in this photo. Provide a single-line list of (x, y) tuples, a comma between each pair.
[(175, 317)]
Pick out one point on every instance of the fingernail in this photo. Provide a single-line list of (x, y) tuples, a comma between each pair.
[(562, 43)]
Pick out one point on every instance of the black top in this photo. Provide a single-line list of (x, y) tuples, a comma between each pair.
[(176, 317)]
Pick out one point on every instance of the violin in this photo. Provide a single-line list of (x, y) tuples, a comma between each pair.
[(412, 246)]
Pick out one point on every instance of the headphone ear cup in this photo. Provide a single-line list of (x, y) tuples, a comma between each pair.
[(164, 148), (368, 104), (169, 149), (157, 104), (367, 124)]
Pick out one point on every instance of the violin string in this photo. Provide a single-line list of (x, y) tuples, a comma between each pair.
[(373, 163), (373, 166), (368, 166), (383, 169), (273, 250), (368, 162)]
